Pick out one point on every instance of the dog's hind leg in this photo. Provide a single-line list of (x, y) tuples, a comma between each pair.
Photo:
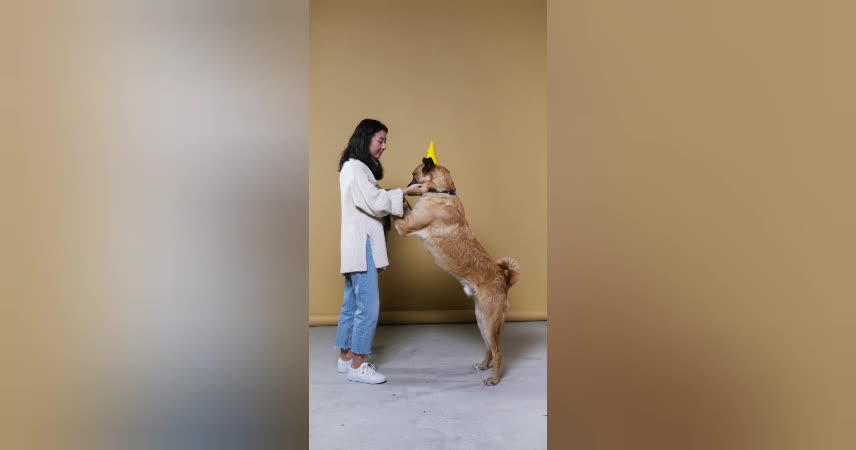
[(494, 321), (488, 354)]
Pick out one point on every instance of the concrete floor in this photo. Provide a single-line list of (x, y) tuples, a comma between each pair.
[(433, 398)]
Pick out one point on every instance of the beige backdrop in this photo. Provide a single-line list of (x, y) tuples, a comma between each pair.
[(470, 76), (702, 154)]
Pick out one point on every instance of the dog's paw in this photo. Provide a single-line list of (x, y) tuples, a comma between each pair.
[(491, 381), (480, 366)]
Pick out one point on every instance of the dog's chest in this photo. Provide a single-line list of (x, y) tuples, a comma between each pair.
[(435, 251), (440, 259)]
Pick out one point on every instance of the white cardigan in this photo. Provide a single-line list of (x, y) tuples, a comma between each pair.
[(364, 205)]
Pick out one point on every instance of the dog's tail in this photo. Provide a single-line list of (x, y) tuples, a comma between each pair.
[(510, 268)]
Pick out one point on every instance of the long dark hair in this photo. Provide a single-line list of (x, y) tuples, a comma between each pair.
[(358, 146)]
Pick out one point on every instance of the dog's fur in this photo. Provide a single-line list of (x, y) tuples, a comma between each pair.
[(438, 219)]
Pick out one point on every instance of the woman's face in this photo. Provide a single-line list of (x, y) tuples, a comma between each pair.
[(378, 145)]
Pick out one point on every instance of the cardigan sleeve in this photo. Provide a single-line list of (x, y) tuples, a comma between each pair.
[(374, 200)]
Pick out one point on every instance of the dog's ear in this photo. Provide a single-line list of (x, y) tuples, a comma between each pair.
[(428, 165)]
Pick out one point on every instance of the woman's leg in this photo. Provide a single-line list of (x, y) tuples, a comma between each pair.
[(367, 309), (344, 332)]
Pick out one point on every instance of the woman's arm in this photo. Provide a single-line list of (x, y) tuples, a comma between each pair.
[(374, 200)]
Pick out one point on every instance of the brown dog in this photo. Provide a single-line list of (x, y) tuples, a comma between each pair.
[(438, 219)]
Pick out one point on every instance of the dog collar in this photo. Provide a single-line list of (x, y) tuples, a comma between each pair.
[(438, 191)]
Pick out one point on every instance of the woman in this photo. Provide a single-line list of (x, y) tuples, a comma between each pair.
[(363, 247)]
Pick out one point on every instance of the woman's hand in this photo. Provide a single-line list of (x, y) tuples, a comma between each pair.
[(414, 190)]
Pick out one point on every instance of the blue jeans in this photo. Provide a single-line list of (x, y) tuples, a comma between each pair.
[(360, 309)]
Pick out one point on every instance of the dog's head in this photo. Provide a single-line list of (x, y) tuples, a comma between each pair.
[(433, 176)]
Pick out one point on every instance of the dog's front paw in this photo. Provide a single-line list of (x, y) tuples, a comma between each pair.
[(491, 381), (480, 366)]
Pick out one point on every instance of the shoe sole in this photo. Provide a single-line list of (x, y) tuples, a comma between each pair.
[(357, 380)]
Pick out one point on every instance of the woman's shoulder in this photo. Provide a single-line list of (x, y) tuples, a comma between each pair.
[(353, 166), (355, 163)]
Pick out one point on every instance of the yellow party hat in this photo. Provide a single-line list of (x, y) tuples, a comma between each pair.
[(431, 153)]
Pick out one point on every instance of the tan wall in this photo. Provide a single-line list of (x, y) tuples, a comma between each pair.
[(703, 156), (472, 77)]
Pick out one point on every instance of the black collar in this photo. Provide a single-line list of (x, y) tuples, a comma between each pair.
[(438, 191)]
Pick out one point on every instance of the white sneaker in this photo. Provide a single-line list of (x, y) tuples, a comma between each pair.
[(366, 373), (342, 366)]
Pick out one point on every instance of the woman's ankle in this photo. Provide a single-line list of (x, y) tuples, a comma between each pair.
[(357, 360)]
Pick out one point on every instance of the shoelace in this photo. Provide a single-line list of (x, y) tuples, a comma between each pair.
[(369, 368)]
